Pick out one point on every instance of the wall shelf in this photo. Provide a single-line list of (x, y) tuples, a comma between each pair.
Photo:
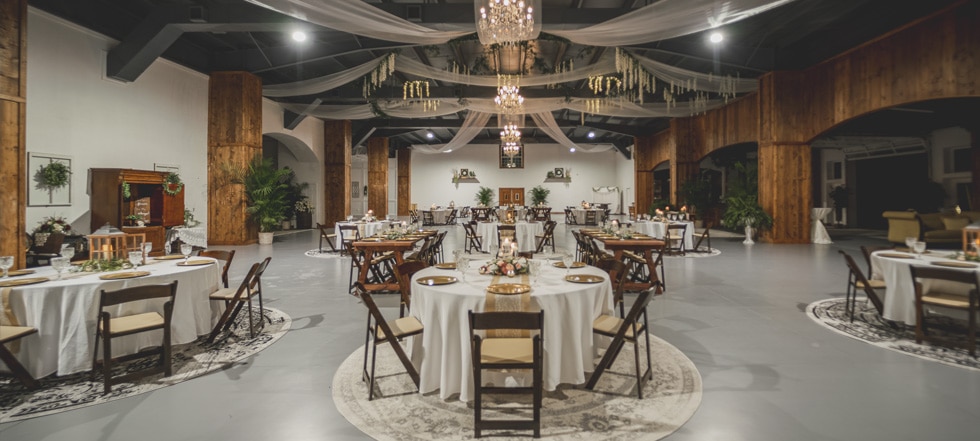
[(557, 179), (467, 180)]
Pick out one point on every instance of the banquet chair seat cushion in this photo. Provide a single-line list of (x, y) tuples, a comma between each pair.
[(609, 325), (507, 350), (952, 300), (874, 283), (11, 333), (402, 327), (224, 294), (134, 323)]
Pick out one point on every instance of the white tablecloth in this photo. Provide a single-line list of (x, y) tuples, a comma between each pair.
[(442, 352), (580, 215), (659, 230), (519, 213), (525, 234), (365, 229), (818, 232), (197, 236), (439, 216), (899, 301), (65, 311)]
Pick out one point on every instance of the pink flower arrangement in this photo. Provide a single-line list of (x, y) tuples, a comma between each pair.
[(504, 265)]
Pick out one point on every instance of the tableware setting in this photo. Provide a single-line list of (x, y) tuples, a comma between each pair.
[(584, 278), (895, 255), (508, 288), (22, 281), (446, 266), (60, 264), (124, 275), (574, 265), (5, 263), (954, 264), (169, 257), (22, 272), (185, 250), (436, 280), (195, 262)]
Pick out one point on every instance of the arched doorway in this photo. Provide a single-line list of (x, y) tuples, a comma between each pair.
[(288, 151)]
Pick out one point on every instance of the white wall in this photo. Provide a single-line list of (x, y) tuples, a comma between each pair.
[(72, 110), (432, 174), (625, 176), (303, 151)]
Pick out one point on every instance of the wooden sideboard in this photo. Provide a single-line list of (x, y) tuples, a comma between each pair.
[(108, 204)]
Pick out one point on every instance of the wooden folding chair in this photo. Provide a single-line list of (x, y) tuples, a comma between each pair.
[(624, 330), (943, 297), (383, 332), (413, 214), (472, 240), (109, 327), (547, 237), (9, 334), (617, 275), (570, 217), (674, 239), (348, 235), (506, 231), (236, 299), (427, 218), (706, 234), (591, 218), (451, 218), (404, 272), (224, 256), (856, 281), (507, 353), (866, 251), (326, 235)]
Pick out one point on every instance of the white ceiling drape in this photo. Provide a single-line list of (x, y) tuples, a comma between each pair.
[(472, 125), (322, 84), (547, 124)]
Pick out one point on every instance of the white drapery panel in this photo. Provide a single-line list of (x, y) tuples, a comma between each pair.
[(604, 66), (705, 82), (360, 18), (472, 125), (321, 84), (667, 19), (547, 124)]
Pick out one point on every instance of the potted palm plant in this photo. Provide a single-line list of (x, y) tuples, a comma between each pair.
[(484, 197), (744, 211), (266, 191), (539, 195)]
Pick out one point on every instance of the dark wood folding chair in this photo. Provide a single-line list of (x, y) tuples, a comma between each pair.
[(507, 353), (591, 217), (10, 334), (506, 231), (237, 299), (472, 240), (547, 237), (383, 331), (414, 216), (41, 255), (427, 218), (866, 251), (109, 327), (943, 297), (705, 235), (617, 275), (856, 281), (404, 272), (570, 217), (625, 330), (451, 218), (225, 256), (326, 235), (465, 214), (348, 235), (674, 239)]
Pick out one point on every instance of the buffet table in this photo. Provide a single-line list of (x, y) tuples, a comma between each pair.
[(65, 311), (526, 232), (442, 352)]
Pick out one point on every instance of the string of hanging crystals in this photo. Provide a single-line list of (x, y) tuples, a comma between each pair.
[(377, 77), (417, 92)]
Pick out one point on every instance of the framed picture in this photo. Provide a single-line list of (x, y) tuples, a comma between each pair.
[(559, 172), (464, 172), (39, 195), (355, 189)]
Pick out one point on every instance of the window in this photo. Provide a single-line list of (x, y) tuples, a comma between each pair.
[(516, 162)]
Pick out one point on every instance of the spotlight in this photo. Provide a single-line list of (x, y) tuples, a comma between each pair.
[(716, 37), (591, 134), (299, 36), (430, 135), (448, 151), (571, 150)]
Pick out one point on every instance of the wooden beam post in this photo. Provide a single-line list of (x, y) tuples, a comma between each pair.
[(378, 176), (684, 164), (336, 170), (13, 129), (404, 181), (234, 140)]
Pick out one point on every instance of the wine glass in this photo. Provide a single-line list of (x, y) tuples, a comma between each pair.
[(68, 251), (5, 263), (166, 248), (535, 267), (147, 248), (185, 249), (60, 264), (136, 258), (567, 259), (493, 250), (462, 264), (909, 241), (919, 247)]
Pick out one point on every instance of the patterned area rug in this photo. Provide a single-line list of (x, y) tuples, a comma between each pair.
[(323, 254), (59, 394), (695, 254), (611, 412), (869, 327)]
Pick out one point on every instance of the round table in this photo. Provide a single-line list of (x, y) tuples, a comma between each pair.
[(899, 301), (659, 230), (64, 311), (580, 215), (365, 229), (526, 232), (442, 352)]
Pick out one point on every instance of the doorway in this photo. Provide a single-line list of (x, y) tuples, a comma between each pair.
[(509, 196)]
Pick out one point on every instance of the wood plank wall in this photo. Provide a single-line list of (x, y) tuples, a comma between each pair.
[(13, 128), (650, 152), (378, 176), (336, 170), (404, 181), (234, 140)]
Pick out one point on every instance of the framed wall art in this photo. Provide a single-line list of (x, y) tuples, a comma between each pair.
[(49, 180)]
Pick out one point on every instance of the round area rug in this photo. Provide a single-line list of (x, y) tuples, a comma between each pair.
[(695, 254), (323, 254), (869, 327), (611, 412), (59, 394)]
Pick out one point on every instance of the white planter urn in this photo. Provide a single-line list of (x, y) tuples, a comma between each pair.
[(748, 235), (265, 238)]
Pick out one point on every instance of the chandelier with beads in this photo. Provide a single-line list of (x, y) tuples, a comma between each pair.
[(510, 141), (509, 100), (506, 21)]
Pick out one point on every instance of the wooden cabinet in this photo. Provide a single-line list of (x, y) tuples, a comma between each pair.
[(108, 204), (156, 234)]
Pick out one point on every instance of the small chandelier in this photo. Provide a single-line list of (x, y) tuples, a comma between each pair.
[(511, 149), (509, 100), (510, 134), (507, 21)]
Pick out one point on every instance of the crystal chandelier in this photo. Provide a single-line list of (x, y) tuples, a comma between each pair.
[(510, 134), (509, 100), (507, 21)]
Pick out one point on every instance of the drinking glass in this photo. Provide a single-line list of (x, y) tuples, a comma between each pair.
[(567, 259), (147, 248), (535, 267), (60, 264), (185, 249), (456, 255), (68, 250), (462, 264), (136, 258), (909, 241), (493, 250), (919, 247), (166, 248), (5, 263)]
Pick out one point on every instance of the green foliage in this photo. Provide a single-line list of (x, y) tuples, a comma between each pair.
[(54, 175), (539, 195), (172, 179), (266, 190), (484, 196), (745, 210), (698, 192), (658, 204), (294, 194), (126, 191)]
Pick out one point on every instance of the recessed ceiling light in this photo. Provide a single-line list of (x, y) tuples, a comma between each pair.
[(591, 134), (430, 135), (299, 36), (716, 37), (447, 151), (571, 150)]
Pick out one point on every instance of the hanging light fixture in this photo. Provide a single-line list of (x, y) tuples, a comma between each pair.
[(510, 142), (509, 100), (507, 21)]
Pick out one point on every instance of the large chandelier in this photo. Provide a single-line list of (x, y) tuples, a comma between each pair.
[(510, 142), (507, 21), (509, 100)]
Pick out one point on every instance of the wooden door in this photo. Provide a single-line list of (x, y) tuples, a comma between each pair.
[(509, 196)]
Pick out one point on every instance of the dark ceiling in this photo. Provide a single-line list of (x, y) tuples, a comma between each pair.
[(216, 35)]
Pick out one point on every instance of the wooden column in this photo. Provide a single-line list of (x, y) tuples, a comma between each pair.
[(378, 176), (234, 140), (336, 170), (684, 164), (13, 128), (975, 166), (784, 157), (404, 181)]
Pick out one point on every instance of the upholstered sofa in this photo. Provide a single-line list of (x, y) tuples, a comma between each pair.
[(936, 229)]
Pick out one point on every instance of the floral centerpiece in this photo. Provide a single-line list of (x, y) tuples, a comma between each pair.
[(53, 224), (504, 265), (102, 265), (369, 216), (304, 206)]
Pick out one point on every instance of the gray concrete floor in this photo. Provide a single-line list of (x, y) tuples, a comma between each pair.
[(769, 372)]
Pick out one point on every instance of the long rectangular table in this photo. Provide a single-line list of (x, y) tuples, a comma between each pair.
[(645, 247), (377, 246)]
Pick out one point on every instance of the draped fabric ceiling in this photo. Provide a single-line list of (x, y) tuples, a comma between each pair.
[(661, 20)]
